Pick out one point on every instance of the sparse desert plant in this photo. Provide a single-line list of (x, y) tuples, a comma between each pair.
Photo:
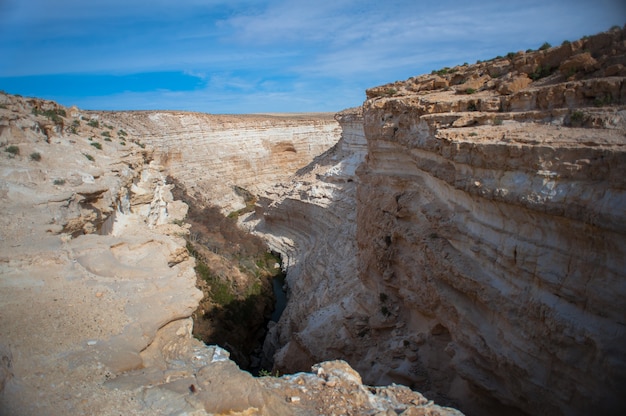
[(89, 157), (36, 156), (106, 134), (12, 150), (54, 115), (577, 118), (123, 143), (470, 91), (545, 46), (266, 373), (59, 182), (121, 132), (541, 72), (96, 145), (93, 123), (497, 122)]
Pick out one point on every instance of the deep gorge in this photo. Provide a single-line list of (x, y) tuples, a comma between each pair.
[(468, 245)]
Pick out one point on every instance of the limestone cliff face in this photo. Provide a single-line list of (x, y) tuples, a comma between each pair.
[(492, 224), (97, 287), (311, 220), (212, 154)]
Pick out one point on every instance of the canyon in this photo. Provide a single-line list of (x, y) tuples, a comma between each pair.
[(462, 233)]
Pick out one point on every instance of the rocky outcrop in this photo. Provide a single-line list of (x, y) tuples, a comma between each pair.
[(491, 222), (489, 236), (212, 155), (98, 287)]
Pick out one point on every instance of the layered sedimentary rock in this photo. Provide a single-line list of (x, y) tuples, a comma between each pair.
[(311, 221), (213, 154), (97, 288), (492, 222), (490, 234)]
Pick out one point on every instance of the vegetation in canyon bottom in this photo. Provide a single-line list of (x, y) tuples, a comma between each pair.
[(234, 270)]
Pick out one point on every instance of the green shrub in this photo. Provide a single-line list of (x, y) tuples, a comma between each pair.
[(545, 46), (577, 118), (93, 123), (541, 72), (107, 139), (121, 132), (123, 143), (36, 156), (441, 71), (59, 182), (470, 91), (497, 122), (54, 115), (96, 145), (88, 156), (106, 134), (510, 55), (221, 292), (13, 150)]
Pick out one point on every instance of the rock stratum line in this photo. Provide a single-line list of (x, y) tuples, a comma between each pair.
[(462, 233)]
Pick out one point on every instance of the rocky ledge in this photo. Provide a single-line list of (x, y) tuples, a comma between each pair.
[(477, 252), (97, 287)]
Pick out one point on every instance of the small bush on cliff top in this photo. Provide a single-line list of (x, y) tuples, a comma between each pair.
[(545, 46)]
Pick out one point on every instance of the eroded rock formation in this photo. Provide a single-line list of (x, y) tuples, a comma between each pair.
[(463, 233), (97, 287), (490, 235)]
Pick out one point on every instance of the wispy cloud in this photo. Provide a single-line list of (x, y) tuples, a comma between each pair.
[(260, 54)]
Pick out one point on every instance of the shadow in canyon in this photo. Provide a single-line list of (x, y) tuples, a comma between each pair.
[(237, 274)]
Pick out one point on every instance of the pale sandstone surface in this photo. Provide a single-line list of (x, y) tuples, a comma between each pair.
[(213, 154), (490, 236), (97, 287)]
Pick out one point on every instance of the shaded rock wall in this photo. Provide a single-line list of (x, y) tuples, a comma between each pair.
[(97, 288), (497, 233)]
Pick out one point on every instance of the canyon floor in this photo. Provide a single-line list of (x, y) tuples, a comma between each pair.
[(460, 236)]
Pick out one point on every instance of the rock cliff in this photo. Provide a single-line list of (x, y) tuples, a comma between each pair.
[(490, 233), (462, 233), (213, 154), (97, 287), (492, 222)]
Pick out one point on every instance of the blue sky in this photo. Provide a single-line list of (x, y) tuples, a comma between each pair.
[(245, 56)]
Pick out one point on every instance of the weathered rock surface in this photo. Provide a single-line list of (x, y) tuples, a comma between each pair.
[(494, 226), (97, 288), (213, 154), (490, 227)]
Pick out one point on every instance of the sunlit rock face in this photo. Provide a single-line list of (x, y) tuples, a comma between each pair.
[(213, 154), (97, 286)]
